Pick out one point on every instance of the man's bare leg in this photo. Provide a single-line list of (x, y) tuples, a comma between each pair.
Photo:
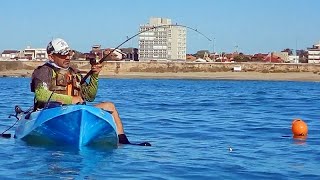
[(109, 106)]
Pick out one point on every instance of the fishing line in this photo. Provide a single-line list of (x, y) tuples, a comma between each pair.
[(83, 80), (128, 39), (9, 135)]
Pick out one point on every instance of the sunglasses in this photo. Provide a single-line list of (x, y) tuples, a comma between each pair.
[(64, 55)]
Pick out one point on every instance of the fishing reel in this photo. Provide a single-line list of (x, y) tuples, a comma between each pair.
[(92, 58), (18, 111)]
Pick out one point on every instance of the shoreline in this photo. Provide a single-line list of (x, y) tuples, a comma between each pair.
[(294, 76), (289, 76)]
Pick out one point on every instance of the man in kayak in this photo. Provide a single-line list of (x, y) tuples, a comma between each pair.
[(56, 81)]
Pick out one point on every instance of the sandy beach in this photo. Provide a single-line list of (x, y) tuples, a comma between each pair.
[(299, 76), (292, 76)]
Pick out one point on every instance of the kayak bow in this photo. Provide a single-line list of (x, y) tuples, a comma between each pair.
[(75, 125)]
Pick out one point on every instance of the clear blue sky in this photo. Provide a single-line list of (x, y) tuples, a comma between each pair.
[(252, 25)]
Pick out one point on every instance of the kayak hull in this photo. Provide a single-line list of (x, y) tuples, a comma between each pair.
[(74, 125)]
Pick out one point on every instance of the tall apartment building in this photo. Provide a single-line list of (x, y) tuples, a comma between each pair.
[(167, 42)]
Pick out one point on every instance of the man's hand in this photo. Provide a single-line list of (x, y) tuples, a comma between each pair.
[(76, 99), (96, 68)]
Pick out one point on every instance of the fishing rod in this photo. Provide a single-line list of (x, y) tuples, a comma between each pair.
[(140, 32)]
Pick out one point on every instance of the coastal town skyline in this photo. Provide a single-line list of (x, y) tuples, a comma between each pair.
[(245, 26)]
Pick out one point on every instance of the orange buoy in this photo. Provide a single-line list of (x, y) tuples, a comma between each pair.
[(299, 128)]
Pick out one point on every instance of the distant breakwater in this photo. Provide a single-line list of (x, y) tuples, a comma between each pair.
[(163, 67)]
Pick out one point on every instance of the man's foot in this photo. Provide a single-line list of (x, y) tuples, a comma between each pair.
[(123, 139), (144, 144)]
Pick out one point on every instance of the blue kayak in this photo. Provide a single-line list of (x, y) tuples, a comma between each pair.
[(74, 125)]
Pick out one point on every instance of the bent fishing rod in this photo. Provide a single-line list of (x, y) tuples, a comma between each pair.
[(129, 38)]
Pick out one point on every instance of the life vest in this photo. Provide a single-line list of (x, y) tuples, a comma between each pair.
[(63, 81)]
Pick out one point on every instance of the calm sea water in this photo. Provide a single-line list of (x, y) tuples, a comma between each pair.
[(199, 129)]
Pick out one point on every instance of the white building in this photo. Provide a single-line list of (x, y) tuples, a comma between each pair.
[(35, 53), (118, 53), (9, 54), (163, 43), (293, 59), (26, 54), (314, 54), (283, 55)]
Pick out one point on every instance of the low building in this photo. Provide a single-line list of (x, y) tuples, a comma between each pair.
[(96, 49), (34, 54), (116, 54), (190, 58), (9, 54), (131, 53), (283, 56), (258, 57), (293, 59), (314, 54), (272, 58), (119, 55)]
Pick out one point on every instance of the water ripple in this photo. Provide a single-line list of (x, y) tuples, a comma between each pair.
[(199, 129)]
